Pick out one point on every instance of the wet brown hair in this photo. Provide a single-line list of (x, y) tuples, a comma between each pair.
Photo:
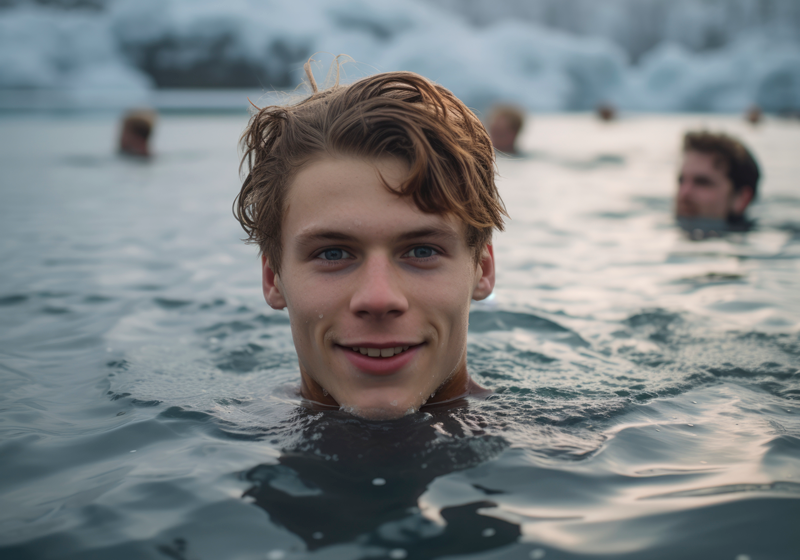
[(394, 114), (729, 154)]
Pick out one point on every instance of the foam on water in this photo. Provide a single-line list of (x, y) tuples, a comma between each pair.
[(645, 386)]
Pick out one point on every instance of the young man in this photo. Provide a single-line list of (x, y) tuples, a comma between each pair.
[(718, 179), (373, 206), (505, 124), (135, 130)]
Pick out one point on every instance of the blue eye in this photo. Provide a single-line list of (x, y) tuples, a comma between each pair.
[(333, 254), (422, 252)]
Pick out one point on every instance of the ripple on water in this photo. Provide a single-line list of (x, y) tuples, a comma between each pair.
[(14, 299), (169, 303), (488, 321)]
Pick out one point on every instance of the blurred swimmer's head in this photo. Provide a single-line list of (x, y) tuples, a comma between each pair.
[(505, 124), (135, 131), (718, 178), (373, 205), (753, 115), (606, 112)]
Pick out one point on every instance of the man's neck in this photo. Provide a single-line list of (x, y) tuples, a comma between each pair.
[(458, 385)]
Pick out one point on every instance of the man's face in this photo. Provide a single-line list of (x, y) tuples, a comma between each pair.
[(377, 291), (705, 191)]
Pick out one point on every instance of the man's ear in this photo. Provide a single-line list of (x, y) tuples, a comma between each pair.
[(269, 283), (485, 282), (741, 200)]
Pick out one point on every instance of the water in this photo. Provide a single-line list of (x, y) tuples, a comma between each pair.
[(645, 385)]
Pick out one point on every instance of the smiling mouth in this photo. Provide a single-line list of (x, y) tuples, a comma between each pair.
[(379, 352)]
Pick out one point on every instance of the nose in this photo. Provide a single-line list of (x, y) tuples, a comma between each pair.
[(379, 292)]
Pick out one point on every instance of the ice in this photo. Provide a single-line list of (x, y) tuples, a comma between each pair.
[(751, 70), (646, 55), (41, 48)]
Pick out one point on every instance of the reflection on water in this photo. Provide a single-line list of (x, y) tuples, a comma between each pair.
[(645, 384)]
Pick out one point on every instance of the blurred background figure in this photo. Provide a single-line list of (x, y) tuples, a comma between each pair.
[(753, 115), (606, 112), (504, 125), (135, 131), (718, 180)]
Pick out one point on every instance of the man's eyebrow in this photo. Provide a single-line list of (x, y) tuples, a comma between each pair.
[(311, 237), (315, 236), (440, 232)]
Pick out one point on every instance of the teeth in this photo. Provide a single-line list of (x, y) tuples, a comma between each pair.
[(380, 352)]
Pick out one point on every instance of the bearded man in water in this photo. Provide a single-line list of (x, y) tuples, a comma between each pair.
[(373, 206), (718, 179)]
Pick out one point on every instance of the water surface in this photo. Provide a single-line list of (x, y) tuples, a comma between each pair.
[(645, 385)]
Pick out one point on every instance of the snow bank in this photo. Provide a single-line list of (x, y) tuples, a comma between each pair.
[(751, 70), (131, 46)]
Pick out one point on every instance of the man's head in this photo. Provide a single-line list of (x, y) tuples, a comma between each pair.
[(373, 205), (135, 132), (718, 178), (505, 124)]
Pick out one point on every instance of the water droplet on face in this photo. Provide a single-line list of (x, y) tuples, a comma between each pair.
[(324, 392), (393, 403), (378, 481), (320, 315)]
